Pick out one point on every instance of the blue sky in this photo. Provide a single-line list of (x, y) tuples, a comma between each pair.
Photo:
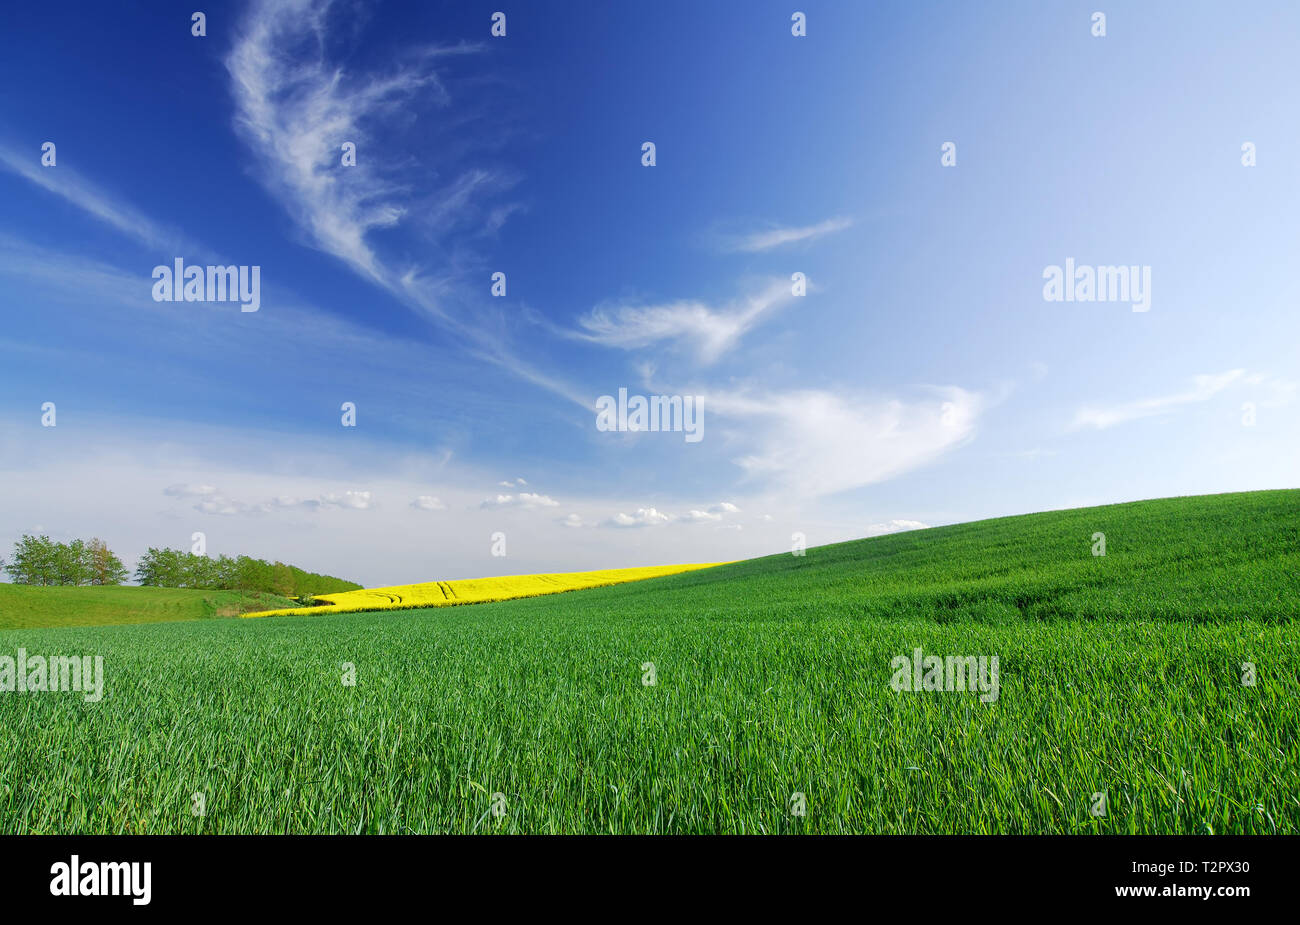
[(923, 378)]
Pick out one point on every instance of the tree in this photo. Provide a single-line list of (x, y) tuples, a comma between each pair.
[(33, 561), (38, 560), (282, 582), (201, 572), (71, 563), (105, 568), (159, 568)]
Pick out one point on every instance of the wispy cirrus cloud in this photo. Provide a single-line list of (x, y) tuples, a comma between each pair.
[(707, 330), (766, 239), (1204, 387), (67, 183), (295, 109)]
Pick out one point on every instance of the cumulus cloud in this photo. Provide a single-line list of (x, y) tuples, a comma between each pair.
[(356, 500), (712, 513), (524, 499), (213, 501), (649, 516), (428, 503), (643, 517), (894, 526)]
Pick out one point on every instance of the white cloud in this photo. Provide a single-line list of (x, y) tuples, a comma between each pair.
[(66, 182), (707, 330), (524, 499), (355, 500), (700, 516), (214, 502), (644, 517), (812, 442), (769, 238), (714, 512), (1203, 388), (218, 504), (189, 491), (574, 520), (105, 480), (894, 526), (428, 503), (650, 517), (295, 111)]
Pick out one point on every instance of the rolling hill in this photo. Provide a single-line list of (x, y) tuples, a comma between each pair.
[(1157, 683)]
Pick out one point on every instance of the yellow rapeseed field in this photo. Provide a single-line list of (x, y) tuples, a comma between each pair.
[(477, 590)]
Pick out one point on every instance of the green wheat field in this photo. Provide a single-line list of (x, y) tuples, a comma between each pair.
[(1120, 675)]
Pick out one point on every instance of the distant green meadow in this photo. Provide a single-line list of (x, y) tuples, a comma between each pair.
[(1152, 689), (29, 606)]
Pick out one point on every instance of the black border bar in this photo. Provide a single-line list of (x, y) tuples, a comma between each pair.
[(941, 874)]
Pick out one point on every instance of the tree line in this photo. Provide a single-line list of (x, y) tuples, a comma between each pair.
[(38, 560), (175, 568)]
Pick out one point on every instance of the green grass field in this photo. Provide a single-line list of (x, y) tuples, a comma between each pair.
[(1120, 675), (24, 606)]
